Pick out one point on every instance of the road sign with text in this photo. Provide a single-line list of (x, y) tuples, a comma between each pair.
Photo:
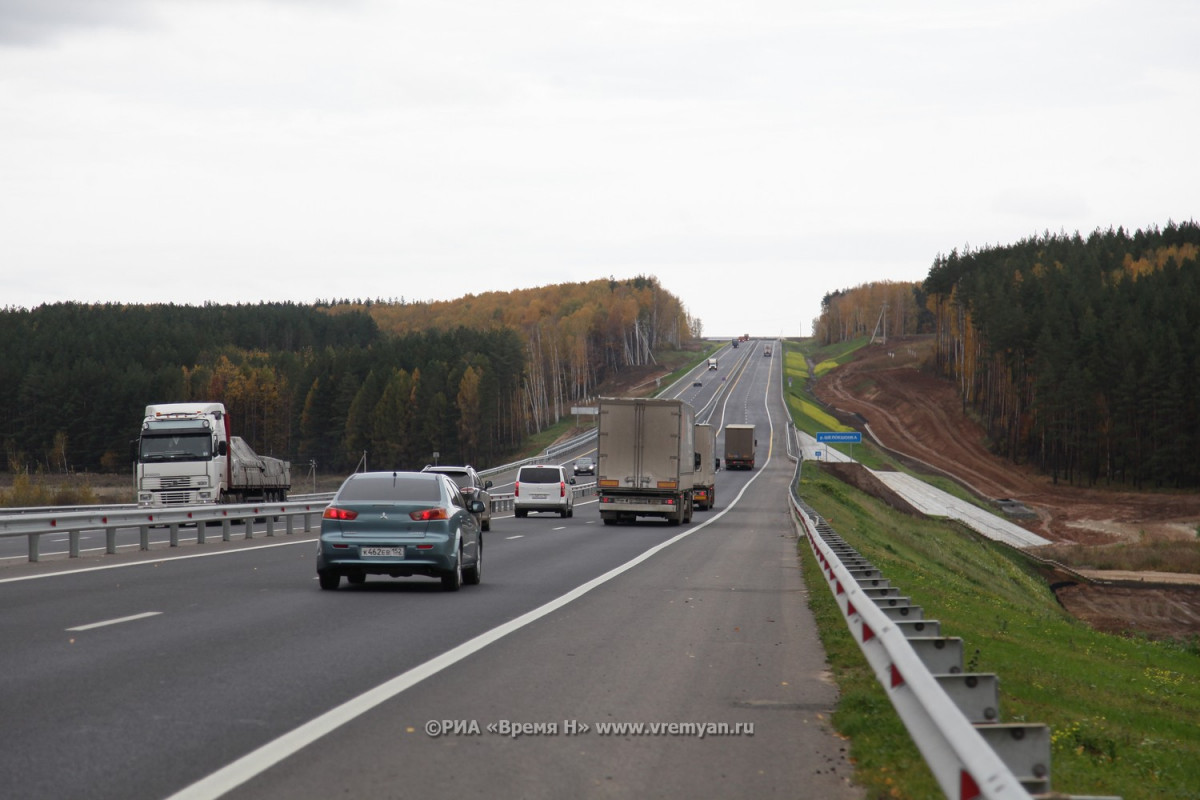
[(845, 437)]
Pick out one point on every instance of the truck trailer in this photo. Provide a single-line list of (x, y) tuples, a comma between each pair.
[(739, 446), (186, 456), (704, 490), (646, 459)]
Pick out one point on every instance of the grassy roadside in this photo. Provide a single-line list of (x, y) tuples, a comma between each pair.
[(1122, 711)]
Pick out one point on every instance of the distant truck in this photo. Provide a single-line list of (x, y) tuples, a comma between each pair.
[(712, 363), (739, 446), (704, 490), (186, 456), (646, 459)]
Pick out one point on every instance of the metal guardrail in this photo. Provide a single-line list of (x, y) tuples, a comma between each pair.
[(35, 526), (952, 716)]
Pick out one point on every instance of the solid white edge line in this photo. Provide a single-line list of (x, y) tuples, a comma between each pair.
[(260, 760), (117, 621)]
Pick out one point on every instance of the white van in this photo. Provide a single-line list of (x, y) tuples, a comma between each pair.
[(544, 487)]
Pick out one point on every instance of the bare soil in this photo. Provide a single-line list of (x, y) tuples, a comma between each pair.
[(890, 394)]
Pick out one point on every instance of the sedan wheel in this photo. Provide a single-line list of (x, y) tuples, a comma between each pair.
[(452, 581), (474, 574), (329, 580)]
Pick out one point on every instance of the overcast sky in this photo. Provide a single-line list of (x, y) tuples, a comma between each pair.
[(754, 155)]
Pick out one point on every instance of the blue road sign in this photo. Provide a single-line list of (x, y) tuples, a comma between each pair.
[(852, 437)]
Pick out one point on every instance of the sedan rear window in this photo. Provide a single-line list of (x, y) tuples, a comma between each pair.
[(390, 488), (540, 475)]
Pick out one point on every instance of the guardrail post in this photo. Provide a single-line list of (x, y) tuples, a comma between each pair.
[(174, 534), (1025, 748), (34, 542), (307, 522), (976, 694), (270, 520), (289, 522), (941, 654), (73, 546), (250, 527), (226, 529), (143, 537), (110, 541), (201, 531)]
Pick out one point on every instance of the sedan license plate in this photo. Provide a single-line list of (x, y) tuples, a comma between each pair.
[(540, 496), (389, 552)]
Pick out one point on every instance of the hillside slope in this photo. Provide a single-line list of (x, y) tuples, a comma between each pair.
[(887, 395)]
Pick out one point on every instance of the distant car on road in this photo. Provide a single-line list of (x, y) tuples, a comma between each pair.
[(585, 466), (400, 524), (698, 383), (472, 486)]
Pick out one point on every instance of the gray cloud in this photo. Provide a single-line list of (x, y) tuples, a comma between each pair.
[(38, 22)]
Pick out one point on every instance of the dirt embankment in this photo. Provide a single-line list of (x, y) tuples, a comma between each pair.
[(890, 395)]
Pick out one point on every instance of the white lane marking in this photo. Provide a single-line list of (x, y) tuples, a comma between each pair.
[(117, 621), (154, 561), (518, 536), (258, 761)]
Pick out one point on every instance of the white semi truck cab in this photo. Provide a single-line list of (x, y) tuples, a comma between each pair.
[(185, 456)]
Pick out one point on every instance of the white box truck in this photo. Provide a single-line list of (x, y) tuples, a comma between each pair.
[(646, 459), (704, 490), (739, 446), (185, 456)]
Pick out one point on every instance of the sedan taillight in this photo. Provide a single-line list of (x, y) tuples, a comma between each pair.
[(339, 513), (429, 515)]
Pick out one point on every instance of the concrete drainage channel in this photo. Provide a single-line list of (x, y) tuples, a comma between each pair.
[(953, 716)]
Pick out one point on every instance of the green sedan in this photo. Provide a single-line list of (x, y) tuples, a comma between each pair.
[(400, 524)]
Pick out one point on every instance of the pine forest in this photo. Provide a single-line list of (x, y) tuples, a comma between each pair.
[(1080, 355)]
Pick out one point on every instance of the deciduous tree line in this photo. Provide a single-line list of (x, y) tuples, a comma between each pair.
[(881, 309), (468, 378)]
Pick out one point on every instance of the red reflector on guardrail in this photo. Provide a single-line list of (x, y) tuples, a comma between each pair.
[(968, 789)]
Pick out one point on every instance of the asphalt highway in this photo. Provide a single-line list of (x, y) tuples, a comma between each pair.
[(222, 670)]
